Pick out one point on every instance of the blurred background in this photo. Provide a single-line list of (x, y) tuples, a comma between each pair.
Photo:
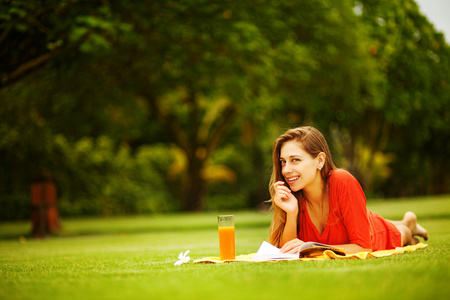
[(144, 107)]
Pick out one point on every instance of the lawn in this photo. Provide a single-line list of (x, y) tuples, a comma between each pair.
[(133, 257)]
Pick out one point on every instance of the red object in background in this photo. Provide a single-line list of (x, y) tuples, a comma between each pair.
[(44, 212)]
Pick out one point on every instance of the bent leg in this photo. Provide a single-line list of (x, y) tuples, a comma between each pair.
[(409, 229), (407, 237)]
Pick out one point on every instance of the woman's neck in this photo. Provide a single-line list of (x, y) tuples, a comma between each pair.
[(314, 192)]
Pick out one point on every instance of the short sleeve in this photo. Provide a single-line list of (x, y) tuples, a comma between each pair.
[(352, 205)]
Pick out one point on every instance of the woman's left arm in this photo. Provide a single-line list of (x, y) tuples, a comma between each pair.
[(352, 205), (352, 248), (293, 245)]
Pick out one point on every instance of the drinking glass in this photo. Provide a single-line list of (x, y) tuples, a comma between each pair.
[(226, 237)]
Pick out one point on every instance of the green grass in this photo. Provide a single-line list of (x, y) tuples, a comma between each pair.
[(133, 257)]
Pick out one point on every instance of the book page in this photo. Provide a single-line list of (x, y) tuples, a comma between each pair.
[(269, 252)]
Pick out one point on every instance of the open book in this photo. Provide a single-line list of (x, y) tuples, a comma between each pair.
[(309, 249)]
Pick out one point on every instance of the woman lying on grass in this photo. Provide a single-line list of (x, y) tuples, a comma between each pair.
[(314, 201)]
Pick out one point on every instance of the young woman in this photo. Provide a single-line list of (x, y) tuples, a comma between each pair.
[(312, 200)]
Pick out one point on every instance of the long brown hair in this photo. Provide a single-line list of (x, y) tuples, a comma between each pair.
[(313, 142)]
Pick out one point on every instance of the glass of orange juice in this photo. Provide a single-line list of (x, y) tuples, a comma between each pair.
[(226, 237)]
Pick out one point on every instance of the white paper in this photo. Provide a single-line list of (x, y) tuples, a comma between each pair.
[(267, 248), (269, 252)]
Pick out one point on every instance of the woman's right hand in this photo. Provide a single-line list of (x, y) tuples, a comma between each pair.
[(292, 246), (284, 198)]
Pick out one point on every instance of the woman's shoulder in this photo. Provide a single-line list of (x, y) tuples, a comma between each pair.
[(342, 182), (341, 175)]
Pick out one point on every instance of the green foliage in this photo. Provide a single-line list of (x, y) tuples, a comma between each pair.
[(36, 32), (228, 194), (415, 62), (93, 177), (215, 83), (101, 180)]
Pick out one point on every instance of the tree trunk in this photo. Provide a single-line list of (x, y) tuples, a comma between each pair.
[(194, 188), (260, 194)]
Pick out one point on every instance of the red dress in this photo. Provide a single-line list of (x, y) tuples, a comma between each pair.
[(349, 222)]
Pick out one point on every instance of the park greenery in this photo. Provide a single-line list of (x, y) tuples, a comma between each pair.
[(133, 257), (159, 106)]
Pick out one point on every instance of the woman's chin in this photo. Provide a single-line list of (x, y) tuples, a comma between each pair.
[(293, 188)]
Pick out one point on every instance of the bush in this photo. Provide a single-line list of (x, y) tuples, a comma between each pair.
[(101, 180), (93, 177)]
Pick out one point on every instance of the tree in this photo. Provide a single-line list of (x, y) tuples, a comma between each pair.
[(411, 117), (208, 63), (34, 33), (198, 75)]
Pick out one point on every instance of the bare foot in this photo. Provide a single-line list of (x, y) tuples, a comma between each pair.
[(410, 220)]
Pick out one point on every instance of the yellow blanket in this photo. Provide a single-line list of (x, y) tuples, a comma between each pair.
[(326, 255)]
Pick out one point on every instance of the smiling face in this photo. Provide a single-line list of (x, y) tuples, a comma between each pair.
[(299, 168)]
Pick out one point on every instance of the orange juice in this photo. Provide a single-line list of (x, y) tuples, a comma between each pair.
[(226, 241)]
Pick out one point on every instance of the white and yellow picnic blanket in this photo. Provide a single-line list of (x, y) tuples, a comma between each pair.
[(326, 255)]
